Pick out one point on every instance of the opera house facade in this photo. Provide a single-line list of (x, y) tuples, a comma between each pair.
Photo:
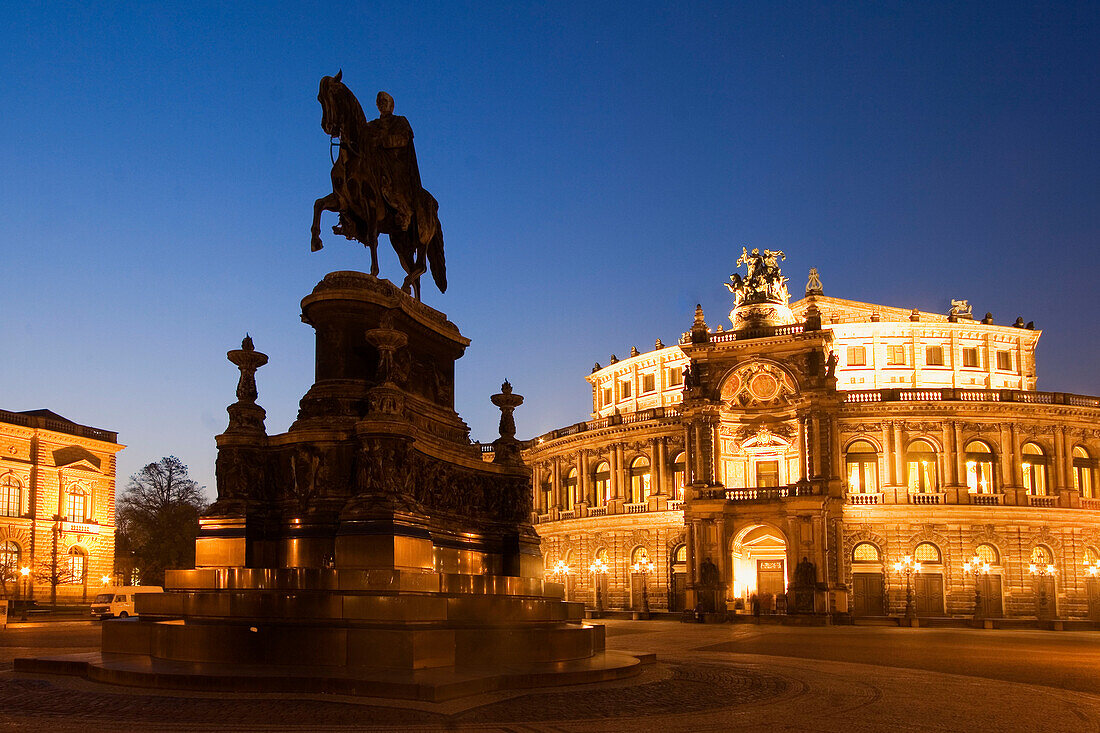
[(827, 457)]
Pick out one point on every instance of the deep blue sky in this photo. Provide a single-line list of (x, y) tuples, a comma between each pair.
[(598, 169)]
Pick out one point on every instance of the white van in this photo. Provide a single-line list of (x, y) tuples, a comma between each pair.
[(119, 602)]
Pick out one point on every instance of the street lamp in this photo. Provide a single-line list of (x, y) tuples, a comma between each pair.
[(645, 567), (979, 567), (907, 566), (24, 571), (105, 579), (598, 568), (1092, 569), (1041, 572)]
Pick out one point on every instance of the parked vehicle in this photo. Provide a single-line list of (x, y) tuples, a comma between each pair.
[(119, 602)]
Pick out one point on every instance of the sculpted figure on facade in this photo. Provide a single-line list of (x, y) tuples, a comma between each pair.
[(376, 186), (763, 281)]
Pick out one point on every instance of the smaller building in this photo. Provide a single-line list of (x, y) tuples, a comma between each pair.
[(57, 506)]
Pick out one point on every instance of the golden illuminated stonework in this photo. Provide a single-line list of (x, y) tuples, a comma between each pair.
[(787, 465)]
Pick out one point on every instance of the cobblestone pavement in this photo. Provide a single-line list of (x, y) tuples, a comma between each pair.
[(708, 678)]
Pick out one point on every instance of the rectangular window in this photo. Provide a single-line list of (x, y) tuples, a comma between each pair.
[(895, 355), (649, 382), (1004, 360), (624, 389), (767, 473), (934, 356), (970, 357), (607, 398), (675, 376), (857, 356)]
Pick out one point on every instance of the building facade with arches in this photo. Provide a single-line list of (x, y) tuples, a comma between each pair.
[(828, 456), (57, 506)]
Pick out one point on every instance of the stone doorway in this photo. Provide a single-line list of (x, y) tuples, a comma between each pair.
[(928, 594), (759, 563), (1092, 587), (677, 576), (992, 596), (868, 598)]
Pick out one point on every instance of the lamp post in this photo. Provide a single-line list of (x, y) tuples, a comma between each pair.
[(645, 568), (561, 571), (598, 568), (24, 571), (105, 579), (1092, 569), (979, 568), (907, 566), (1041, 573)]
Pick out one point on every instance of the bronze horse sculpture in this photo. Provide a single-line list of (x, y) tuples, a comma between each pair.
[(376, 186)]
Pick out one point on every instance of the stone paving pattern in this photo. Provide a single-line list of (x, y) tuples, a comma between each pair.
[(713, 677)]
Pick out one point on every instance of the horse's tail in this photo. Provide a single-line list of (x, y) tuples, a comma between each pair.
[(436, 261)]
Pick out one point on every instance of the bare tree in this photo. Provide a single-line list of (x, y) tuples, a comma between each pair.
[(158, 517)]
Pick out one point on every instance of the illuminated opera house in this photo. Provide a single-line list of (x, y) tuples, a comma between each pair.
[(827, 456)]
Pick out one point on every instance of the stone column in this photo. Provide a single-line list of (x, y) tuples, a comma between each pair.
[(803, 448), (716, 453), (899, 457), (816, 466), (613, 463), (1017, 467), (659, 466), (556, 483), (583, 478)]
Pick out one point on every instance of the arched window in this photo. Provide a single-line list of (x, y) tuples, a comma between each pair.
[(866, 552), (77, 505), (77, 566), (1084, 467), (1041, 556), (923, 468), (639, 480), (601, 481), (9, 560), (679, 475), (1035, 469), (926, 552), (988, 554), (1092, 562), (547, 494), (680, 554), (979, 468), (11, 496), (569, 487), (639, 555), (862, 462)]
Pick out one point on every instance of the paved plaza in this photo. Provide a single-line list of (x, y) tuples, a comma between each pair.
[(712, 677)]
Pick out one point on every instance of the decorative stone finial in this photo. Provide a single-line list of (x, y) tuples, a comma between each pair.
[(915, 315), (614, 359), (961, 309), (596, 367), (988, 320), (760, 299), (699, 321), (658, 344), (813, 285), (506, 447), (1019, 322), (245, 416), (634, 351)]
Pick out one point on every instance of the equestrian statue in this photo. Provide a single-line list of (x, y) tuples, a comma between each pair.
[(376, 186)]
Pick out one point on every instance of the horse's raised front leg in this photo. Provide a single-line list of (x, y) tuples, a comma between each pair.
[(327, 203)]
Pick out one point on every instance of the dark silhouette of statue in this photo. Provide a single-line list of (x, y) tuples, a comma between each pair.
[(376, 186)]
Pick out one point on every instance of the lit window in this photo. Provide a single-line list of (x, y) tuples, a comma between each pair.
[(923, 468), (895, 355), (866, 552), (1041, 556), (649, 382), (680, 555), (675, 376), (927, 552), (1004, 361), (1084, 468), (640, 555), (624, 389), (77, 566), (639, 480), (970, 357), (1034, 465), (9, 561), (767, 473), (11, 496), (987, 554), (678, 475), (601, 481), (569, 484), (78, 504), (862, 462), (979, 468), (547, 494), (857, 356), (934, 356)]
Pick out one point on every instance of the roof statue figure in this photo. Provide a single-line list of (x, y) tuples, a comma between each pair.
[(763, 281), (376, 186)]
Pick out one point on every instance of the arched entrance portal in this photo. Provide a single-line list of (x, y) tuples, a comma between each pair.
[(759, 562)]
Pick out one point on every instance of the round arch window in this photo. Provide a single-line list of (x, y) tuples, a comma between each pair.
[(923, 468), (639, 480), (979, 468), (569, 484), (866, 552), (601, 482), (1084, 472), (1041, 556), (926, 552), (679, 474), (861, 460), (1034, 464), (988, 554)]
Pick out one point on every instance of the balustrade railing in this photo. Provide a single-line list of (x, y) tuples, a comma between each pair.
[(1042, 501), (675, 505), (635, 508), (567, 514), (597, 511), (864, 499), (987, 499), (947, 394), (651, 413), (763, 493), (1090, 503), (39, 421), (926, 499)]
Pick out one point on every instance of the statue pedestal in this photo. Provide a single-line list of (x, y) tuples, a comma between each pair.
[(369, 546)]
